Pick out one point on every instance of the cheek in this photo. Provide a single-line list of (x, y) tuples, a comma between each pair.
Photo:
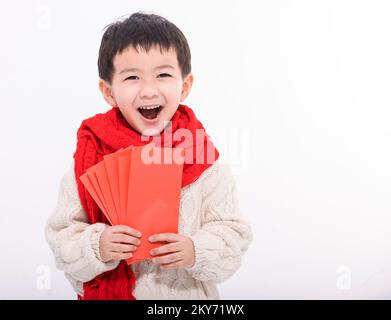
[(125, 95), (172, 90)]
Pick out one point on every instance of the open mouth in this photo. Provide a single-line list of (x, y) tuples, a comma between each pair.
[(150, 112)]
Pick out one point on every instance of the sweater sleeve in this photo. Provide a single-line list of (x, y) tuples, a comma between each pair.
[(75, 242), (224, 235)]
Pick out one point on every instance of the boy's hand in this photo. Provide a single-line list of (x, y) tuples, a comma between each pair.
[(179, 252), (118, 242)]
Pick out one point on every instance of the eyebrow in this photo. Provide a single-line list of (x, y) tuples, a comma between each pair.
[(163, 66)]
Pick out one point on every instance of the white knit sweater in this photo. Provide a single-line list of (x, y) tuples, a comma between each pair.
[(209, 215)]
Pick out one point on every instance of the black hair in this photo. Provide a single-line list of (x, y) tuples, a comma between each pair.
[(142, 30)]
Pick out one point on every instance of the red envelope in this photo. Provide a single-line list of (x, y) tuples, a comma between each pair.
[(103, 180), (86, 180), (133, 188), (111, 166), (123, 163), (153, 199)]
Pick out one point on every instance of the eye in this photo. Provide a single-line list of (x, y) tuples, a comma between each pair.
[(164, 75), (132, 78)]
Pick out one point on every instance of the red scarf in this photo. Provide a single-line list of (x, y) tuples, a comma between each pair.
[(106, 133)]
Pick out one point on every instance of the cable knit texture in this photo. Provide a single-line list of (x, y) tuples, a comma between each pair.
[(209, 215)]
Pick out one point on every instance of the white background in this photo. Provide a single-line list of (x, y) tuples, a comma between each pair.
[(296, 95)]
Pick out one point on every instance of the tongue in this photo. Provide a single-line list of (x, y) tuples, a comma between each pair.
[(149, 113)]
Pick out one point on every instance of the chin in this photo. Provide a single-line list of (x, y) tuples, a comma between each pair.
[(151, 130)]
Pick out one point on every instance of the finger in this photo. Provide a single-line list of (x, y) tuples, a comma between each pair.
[(124, 238), (168, 237), (122, 248), (175, 265), (169, 258), (121, 256), (126, 229), (167, 248)]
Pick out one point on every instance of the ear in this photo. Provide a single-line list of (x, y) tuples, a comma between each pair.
[(107, 93), (186, 87)]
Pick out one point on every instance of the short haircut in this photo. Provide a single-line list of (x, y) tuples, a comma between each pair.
[(142, 30)]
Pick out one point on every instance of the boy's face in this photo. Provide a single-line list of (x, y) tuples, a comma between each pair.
[(143, 81)]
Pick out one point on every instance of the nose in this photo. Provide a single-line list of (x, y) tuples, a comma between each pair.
[(148, 90)]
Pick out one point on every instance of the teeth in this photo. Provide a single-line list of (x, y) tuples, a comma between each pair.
[(149, 107)]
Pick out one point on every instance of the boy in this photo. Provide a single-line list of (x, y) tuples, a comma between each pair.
[(145, 74)]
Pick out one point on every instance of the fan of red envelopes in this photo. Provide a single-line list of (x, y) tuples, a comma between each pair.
[(140, 187)]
